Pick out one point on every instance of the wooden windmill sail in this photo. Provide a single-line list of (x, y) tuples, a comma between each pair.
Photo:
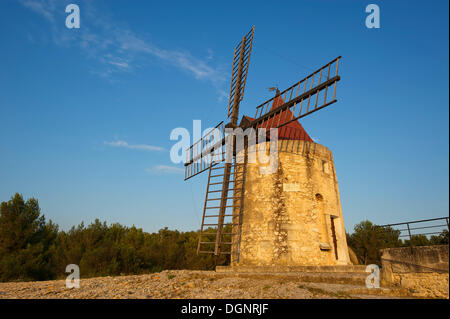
[(216, 152)]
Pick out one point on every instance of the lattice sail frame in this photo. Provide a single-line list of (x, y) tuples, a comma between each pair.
[(242, 53), (205, 152), (292, 97)]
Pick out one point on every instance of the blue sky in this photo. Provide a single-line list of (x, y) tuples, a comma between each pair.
[(86, 114)]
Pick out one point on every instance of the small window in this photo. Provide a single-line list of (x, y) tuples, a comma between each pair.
[(325, 167)]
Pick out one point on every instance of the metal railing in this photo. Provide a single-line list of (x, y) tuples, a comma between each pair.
[(417, 227)]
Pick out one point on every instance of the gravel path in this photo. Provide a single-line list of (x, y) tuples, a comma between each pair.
[(187, 284)]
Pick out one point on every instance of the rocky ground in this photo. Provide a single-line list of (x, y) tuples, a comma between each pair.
[(192, 284)]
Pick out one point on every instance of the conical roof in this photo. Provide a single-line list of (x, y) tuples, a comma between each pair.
[(291, 131)]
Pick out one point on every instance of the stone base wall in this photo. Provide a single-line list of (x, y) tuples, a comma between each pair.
[(428, 285), (423, 270)]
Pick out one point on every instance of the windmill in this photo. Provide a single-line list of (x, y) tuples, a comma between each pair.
[(215, 151)]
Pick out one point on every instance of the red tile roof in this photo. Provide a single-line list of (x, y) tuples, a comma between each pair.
[(292, 131)]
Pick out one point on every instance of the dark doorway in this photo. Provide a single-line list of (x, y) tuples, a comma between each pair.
[(333, 234)]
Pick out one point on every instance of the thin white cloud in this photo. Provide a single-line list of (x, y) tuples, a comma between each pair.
[(129, 43), (124, 65), (44, 7), (166, 169), (118, 49), (210, 54), (144, 147)]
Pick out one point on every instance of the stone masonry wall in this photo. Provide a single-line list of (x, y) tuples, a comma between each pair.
[(293, 216), (423, 270)]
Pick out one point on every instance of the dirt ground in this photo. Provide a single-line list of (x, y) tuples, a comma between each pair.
[(180, 284)]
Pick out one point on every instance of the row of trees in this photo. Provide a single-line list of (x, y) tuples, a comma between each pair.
[(33, 249), (368, 238)]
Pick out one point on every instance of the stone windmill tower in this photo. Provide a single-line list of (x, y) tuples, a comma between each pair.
[(291, 216)]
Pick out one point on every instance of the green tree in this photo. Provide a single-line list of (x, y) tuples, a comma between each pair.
[(367, 239), (26, 241), (442, 239), (417, 240)]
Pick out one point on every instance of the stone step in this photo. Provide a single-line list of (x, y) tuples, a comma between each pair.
[(288, 269), (319, 277), (356, 291), (364, 292)]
